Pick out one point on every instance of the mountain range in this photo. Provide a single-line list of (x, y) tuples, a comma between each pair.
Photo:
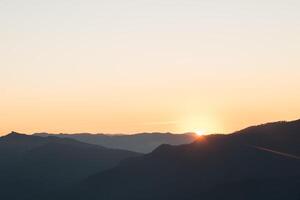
[(260, 162)]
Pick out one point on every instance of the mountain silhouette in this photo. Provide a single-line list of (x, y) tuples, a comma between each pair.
[(260, 162), (143, 142), (31, 166)]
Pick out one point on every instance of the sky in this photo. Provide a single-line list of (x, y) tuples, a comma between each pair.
[(128, 66)]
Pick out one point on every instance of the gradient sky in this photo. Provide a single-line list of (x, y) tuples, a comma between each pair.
[(125, 66)]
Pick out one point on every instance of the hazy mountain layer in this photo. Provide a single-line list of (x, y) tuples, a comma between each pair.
[(143, 142)]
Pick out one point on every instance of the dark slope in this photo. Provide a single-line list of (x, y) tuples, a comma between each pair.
[(31, 165), (236, 166), (281, 136), (143, 142)]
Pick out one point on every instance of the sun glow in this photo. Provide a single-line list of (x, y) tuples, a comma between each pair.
[(200, 132)]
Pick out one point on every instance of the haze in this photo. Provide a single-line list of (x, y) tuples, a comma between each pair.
[(123, 66)]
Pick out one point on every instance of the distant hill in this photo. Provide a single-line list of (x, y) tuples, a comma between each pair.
[(261, 163), (32, 165), (143, 142)]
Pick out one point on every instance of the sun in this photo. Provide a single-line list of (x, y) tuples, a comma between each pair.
[(200, 132)]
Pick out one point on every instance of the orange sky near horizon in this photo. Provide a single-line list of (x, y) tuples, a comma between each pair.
[(125, 66)]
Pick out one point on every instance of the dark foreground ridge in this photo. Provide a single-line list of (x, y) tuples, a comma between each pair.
[(240, 166)]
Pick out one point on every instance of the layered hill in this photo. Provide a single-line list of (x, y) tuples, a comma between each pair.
[(31, 166)]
